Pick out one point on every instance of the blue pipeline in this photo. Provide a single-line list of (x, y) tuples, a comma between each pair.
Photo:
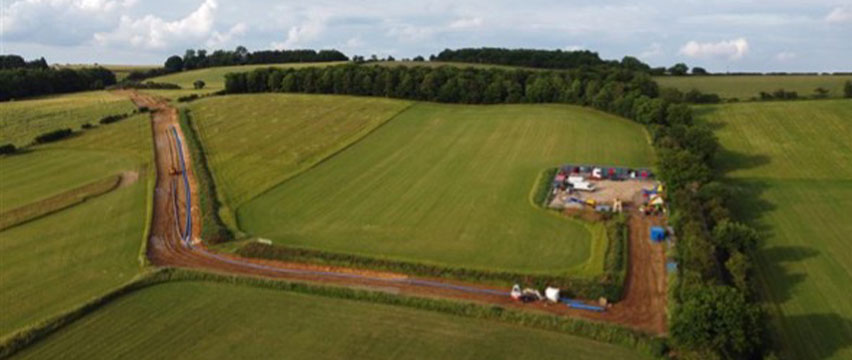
[(188, 231)]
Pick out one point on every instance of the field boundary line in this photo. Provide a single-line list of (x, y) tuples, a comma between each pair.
[(25, 337), (66, 200), (326, 157)]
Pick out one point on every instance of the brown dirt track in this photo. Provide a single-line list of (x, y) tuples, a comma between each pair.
[(643, 307)]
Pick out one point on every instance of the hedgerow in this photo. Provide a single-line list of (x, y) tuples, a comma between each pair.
[(213, 230), (608, 333), (588, 288), (603, 332)]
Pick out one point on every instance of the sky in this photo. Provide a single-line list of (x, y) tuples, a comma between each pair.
[(722, 35)]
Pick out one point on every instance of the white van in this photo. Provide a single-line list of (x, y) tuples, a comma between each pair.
[(584, 186)]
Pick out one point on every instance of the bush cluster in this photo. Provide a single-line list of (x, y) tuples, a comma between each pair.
[(109, 119), (188, 98), (6, 149), (51, 136), (779, 94)]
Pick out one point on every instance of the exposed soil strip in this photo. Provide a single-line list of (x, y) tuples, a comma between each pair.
[(643, 307)]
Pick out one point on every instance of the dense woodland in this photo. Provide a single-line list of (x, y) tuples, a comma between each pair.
[(546, 59), (17, 62), (21, 79), (199, 59), (713, 307)]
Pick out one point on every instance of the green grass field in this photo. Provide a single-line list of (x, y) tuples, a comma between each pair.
[(254, 142), (60, 260), (194, 320), (21, 121), (747, 86), (791, 164), (214, 77), (446, 185)]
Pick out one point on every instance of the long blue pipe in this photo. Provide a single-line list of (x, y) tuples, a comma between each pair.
[(188, 231)]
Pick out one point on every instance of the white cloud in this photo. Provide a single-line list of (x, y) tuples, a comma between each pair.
[(411, 33), (785, 56), (840, 15), (61, 22), (731, 49), (652, 51), (218, 39), (743, 20), (355, 42), (308, 30), (573, 48), (465, 23), (152, 32)]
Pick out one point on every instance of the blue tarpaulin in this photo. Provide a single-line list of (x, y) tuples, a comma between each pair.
[(658, 234), (671, 267)]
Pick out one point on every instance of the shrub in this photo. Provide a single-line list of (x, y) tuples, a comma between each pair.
[(198, 84), (109, 119), (51, 136), (7, 149), (188, 98), (87, 126)]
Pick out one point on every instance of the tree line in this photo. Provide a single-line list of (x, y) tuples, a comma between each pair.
[(713, 309), (17, 62), (199, 59), (535, 58), (33, 79), (612, 89)]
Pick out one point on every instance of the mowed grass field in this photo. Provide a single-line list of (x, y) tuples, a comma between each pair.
[(447, 185), (22, 121), (194, 320), (747, 86), (791, 165), (60, 260), (254, 142)]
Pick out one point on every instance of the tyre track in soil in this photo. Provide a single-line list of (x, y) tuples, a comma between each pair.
[(643, 306)]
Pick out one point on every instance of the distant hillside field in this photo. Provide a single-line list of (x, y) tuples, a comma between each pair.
[(790, 164), (65, 258), (440, 184), (254, 142), (214, 77), (747, 86), (22, 121), (193, 320), (120, 71)]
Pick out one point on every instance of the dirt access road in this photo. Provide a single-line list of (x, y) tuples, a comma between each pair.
[(643, 307)]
